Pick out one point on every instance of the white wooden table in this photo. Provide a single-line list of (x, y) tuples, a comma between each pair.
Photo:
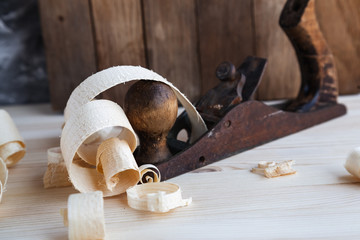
[(229, 202)]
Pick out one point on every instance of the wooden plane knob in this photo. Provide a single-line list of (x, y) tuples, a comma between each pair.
[(152, 110)]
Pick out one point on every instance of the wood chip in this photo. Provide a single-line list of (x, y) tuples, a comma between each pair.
[(84, 216), (272, 169), (352, 164), (12, 146), (56, 174), (156, 197)]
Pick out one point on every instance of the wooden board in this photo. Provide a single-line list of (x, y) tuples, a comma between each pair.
[(69, 46), (339, 22), (226, 33), (119, 38), (171, 43), (186, 40), (282, 76), (229, 202)]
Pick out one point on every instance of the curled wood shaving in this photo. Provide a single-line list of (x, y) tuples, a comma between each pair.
[(89, 119), (144, 173), (115, 160), (3, 177), (272, 169), (89, 123), (352, 164), (88, 150), (56, 174), (12, 146), (105, 79), (156, 197), (84, 216)]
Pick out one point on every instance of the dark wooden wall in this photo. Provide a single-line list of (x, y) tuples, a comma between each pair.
[(184, 40)]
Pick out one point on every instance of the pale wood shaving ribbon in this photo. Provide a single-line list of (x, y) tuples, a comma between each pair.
[(115, 160), (352, 164), (56, 174), (3, 177), (105, 79), (88, 123), (156, 197), (84, 216), (12, 146), (88, 120)]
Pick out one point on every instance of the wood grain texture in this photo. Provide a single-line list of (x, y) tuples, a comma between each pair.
[(171, 43), (68, 38), (119, 38), (151, 108), (321, 201), (282, 75), (186, 40), (225, 34), (339, 21)]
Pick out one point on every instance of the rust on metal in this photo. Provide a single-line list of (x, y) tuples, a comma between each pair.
[(237, 123)]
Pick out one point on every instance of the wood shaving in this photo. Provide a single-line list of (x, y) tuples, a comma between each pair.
[(90, 123), (56, 174), (89, 119), (352, 164), (88, 150), (157, 197), (105, 79), (272, 169), (149, 168), (3, 177), (115, 160), (84, 216), (12, 146)]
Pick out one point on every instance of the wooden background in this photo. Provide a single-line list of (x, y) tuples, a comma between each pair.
[(185, 40)]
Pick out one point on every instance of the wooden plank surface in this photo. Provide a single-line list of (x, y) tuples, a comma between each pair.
[(119, 38), (225, 34), (185, 40), (282, 76), (68, 38), (171, 43), (339, 21), (229, 202)]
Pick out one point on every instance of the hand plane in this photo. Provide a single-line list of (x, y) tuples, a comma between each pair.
[(236, 121)]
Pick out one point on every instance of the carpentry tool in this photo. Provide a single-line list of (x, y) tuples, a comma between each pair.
[(235, 122), (236, 86), (151, 108)]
